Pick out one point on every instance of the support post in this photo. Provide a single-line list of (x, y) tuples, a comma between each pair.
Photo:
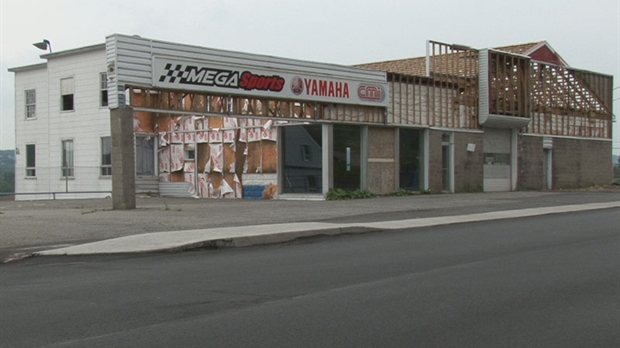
[(123, 159)]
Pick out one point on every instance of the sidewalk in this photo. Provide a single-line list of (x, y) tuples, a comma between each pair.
[(77, 227)]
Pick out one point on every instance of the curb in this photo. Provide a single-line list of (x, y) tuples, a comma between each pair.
[(235, 237)]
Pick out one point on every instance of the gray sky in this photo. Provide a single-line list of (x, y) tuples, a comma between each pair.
[(585, 33)]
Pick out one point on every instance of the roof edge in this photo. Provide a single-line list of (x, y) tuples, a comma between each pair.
[(84, 49), (27, 67)]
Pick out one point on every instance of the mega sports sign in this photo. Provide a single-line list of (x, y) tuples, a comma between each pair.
[(220, 78)]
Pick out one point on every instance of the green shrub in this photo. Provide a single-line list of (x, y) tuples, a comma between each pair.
[(403, 192), (340, 194)]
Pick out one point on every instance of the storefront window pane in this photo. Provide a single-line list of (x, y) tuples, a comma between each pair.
[(303, 159)]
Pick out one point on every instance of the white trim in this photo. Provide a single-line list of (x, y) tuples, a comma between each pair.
[(327, 130), (566, 137), (514, 158), (548, 165), (381, 160), (426, 159), (364, 160), (443, 129)]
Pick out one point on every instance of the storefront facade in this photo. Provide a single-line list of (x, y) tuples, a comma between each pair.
[(141, 116), (232, 125)]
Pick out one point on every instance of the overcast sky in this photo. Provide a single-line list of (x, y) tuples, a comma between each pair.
[(585, 33)]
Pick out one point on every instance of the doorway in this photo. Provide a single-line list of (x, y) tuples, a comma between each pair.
[(347, 157), (410, 159), (145, 155)]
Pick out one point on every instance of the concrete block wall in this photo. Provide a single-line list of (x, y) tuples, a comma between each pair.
[(468, 166), (579, 163), (435, 180), (123, 159), (381, 168), (530, 163)]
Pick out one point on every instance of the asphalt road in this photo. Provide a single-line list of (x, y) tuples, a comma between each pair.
[(29, 226), (548, 281)]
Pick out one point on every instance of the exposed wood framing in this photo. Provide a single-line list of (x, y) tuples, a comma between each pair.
[(448, 97), (570, 102), (558, 100), (509, 85), (202, 104)]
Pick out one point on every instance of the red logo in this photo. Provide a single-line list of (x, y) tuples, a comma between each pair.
[(372, 93), (251, 81), (297, 85)]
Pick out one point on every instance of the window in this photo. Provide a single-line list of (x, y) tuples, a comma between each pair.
[(66, 94), (497, 158), (305, 152), (106, 156), (30, 161), (67, 158), (31, 103), (103, 89), (189, 154)]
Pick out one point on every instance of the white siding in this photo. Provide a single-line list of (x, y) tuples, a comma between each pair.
[(85, 125), (31, 131), (421, 105)]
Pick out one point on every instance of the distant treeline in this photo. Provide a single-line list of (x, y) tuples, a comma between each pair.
[(7, 170)]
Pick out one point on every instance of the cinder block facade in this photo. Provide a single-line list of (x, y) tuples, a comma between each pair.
[(531, 157), (468, 162), (581, 163)]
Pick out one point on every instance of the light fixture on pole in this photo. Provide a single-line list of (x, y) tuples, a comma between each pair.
[(43, 45)]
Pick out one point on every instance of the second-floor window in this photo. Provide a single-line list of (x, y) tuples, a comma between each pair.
[(66, 94), (103, 89), (31, 103)]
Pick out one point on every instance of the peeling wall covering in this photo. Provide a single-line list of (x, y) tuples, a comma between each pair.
[(214, 153)]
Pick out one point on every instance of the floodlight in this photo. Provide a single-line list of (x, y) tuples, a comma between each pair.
[(43, 45)]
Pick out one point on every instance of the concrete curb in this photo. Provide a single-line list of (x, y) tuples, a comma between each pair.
[(280, 233)]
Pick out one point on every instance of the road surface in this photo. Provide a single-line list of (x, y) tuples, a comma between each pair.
[(548, 281)]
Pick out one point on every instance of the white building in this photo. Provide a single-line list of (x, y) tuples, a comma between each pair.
[(62, 126)]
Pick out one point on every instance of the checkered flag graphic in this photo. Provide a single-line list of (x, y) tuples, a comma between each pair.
[(173, 73)]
